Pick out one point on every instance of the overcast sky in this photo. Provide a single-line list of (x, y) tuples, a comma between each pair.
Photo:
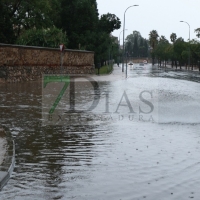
[(160, 15)]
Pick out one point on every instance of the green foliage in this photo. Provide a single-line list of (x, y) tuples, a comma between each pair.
[(195, 50), (28, 14), (109, 22), (106, 69), (79, 19), (136, 45), (6, 30), (173, 37), (84, 28), (197, 31), (52, 37), (162, 50), (32, 21), (178, 51), (153, 39)]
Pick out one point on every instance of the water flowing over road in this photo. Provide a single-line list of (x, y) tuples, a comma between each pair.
[(142, 141)]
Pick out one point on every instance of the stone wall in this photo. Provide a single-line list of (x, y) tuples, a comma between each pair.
[(25, 63)]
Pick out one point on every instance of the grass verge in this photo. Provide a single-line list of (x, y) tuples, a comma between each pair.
[(107, 69)]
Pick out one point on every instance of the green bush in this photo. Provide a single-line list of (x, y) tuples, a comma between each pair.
[(51, 37)]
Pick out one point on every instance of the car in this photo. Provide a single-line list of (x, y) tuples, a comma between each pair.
[(141, 64), (138, 67), (130, 63), (145, 62)]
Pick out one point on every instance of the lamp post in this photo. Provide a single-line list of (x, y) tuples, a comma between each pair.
[(119, 45), (123, 35), (189, 44), (126, 63)]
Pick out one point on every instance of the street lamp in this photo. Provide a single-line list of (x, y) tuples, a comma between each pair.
[(123, 35), (119, 46), (189, 44), (120, 34)]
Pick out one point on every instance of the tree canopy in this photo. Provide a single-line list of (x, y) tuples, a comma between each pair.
[(178, 51), (136, 45), (6, 31), (42, 37), (45, 22)]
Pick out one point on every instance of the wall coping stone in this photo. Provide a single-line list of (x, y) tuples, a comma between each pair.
[(43, 48)]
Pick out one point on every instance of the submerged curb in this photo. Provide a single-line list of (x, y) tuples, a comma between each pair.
[(7, 167)]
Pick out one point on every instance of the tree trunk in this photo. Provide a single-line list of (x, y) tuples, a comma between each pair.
[(192, 65), (176, 64)]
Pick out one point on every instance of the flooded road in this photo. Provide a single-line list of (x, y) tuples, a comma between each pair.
[(123, 155)]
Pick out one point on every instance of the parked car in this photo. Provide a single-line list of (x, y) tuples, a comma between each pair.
[(141, 64), (145, 61)]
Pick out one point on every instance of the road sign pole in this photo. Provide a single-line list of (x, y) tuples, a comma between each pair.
[(62, 47)]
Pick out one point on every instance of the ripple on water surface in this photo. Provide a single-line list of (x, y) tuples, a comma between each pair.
[(110, 160)]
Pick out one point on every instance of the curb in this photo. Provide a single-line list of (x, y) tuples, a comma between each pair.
[(7, 167), (178, 69)]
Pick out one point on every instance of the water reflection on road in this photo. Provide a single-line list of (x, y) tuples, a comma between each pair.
[(113, 159)]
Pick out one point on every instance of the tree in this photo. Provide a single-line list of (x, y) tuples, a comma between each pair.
[(6, 31), (85, 29), (109, 22), (163, 39), (179, 47), (146, 48), (161, 50), (28, 14), (173, 37), (129, 48), (80, 20), (43, 37), (195, 52), (153, 38), (136, 45), (197, 31), (143, 47), (153, 41)]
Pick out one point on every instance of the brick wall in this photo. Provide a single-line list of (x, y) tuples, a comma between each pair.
[(25, 63)]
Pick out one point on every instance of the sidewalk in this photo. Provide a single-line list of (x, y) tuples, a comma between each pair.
[(7, 157), (2, 145)]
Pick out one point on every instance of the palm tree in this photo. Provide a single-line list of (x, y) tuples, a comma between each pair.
[(173, 37), (163, 39), (197, 31), (153, 41)]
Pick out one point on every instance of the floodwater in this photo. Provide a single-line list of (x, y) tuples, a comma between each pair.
[(127, 150)]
